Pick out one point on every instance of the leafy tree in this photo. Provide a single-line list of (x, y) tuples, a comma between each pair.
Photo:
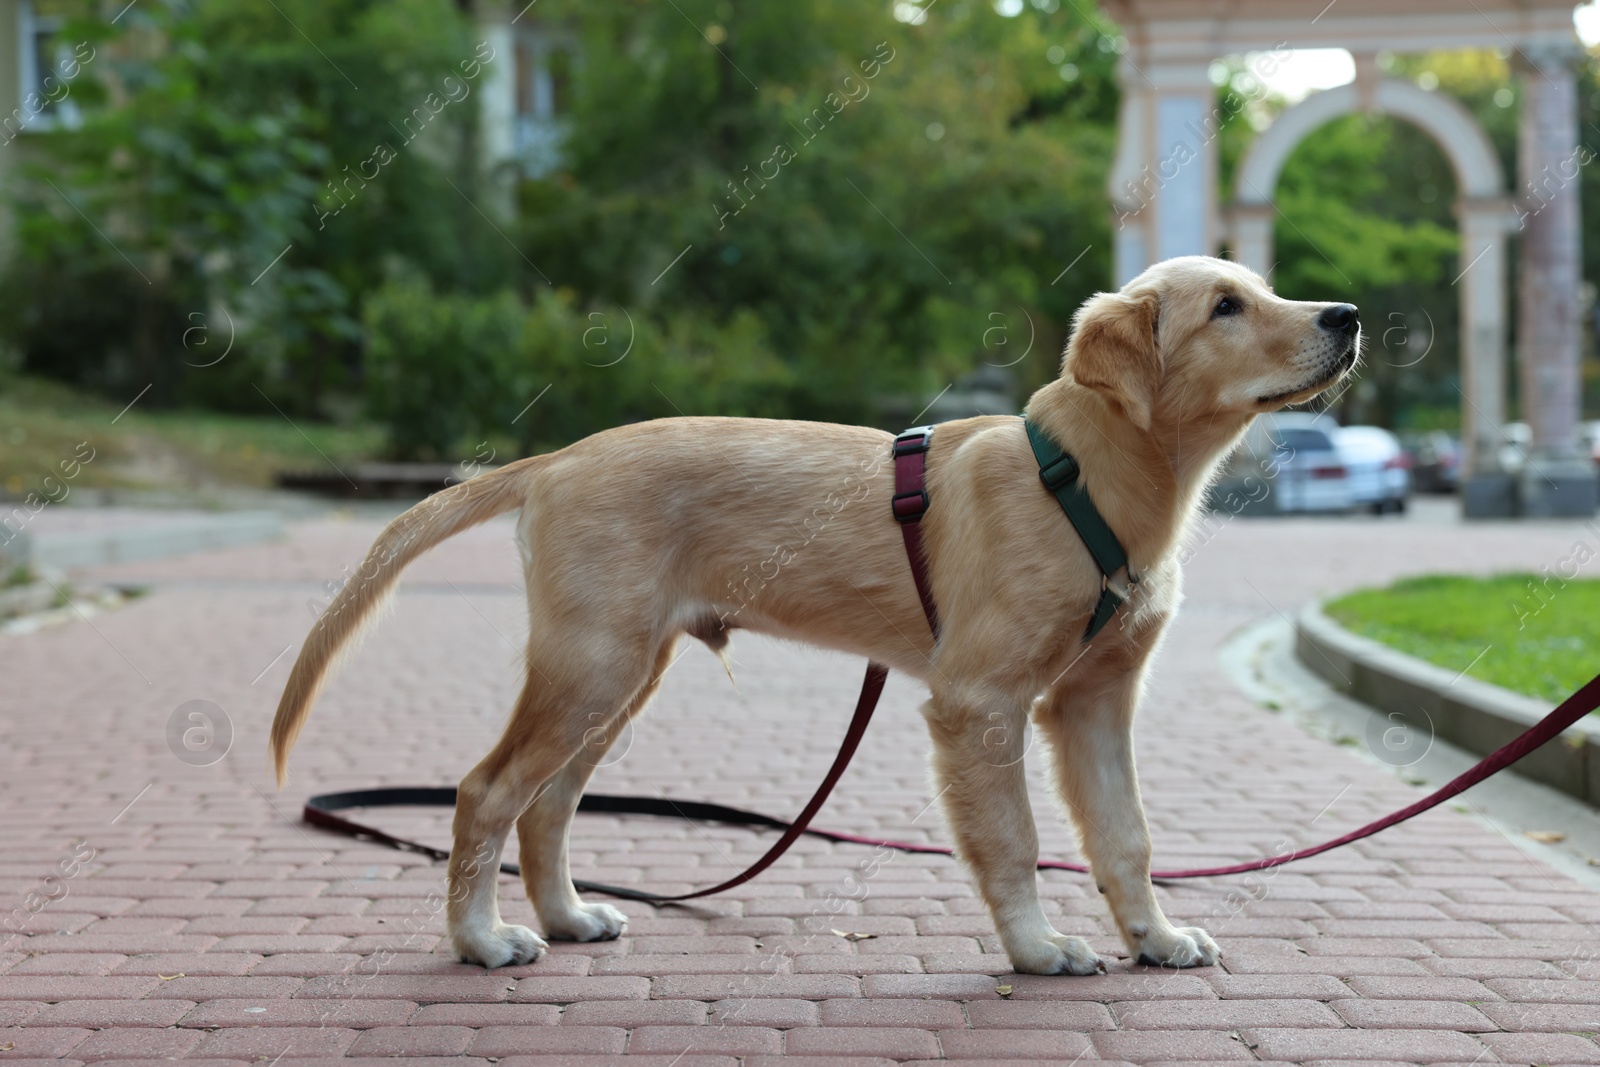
[(873, 189)]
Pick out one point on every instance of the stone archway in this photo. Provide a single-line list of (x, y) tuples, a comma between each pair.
[(1165, 202), (1486, 218)]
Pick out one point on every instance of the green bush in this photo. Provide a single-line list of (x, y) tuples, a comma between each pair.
[(435, 363), (447, 371)]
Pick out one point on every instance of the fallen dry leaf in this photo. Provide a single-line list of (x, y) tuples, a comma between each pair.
[(170, 977), (8, 1046), (1545, 837), (1003, 990)]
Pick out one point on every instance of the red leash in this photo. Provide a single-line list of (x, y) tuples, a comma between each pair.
[(910, 504), (1570, 710)]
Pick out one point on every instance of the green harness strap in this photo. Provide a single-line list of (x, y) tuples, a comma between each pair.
[(1059, 473)]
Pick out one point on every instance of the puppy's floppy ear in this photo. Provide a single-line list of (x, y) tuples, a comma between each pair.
[(1114, 349)]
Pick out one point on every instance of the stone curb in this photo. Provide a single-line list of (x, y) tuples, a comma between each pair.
[(1470, 714), (22, 599), (94, 548)]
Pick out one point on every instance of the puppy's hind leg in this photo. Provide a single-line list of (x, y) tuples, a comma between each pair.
[(546, 731), (542, 831)]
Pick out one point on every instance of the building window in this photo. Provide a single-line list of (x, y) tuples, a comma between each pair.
[(543, 70), (46, 66)]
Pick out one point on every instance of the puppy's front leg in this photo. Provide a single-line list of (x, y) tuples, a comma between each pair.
[(978, 739), (1091, 732)]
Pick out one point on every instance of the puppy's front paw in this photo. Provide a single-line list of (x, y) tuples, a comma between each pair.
[(1185, 946), (1058, 954), (587, 922), (503, 946)]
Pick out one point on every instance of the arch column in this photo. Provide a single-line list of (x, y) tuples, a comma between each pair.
[(1163, 179), (1251, 228), (1132, 188), (1486, 491), (1558, 480)]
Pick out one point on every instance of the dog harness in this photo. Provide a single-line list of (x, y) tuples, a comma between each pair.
[(1059, 473)]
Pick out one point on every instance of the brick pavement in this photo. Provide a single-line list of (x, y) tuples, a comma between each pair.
[(209, 926)]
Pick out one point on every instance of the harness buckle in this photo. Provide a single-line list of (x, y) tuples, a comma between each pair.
[(909, 507), (1059, 473), (913, 442)]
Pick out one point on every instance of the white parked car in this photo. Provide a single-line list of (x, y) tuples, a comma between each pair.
[(1379, 469), (1515, 441), (1295, 450)]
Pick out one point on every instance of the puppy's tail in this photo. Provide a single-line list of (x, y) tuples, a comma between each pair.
[(442, 515)]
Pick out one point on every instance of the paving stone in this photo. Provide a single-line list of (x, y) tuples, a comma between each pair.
[(739, 986), (725, 1040), (1421, 1014), (763, 1011), (571, 990), (501, 1041), (481, 1015), (300, 1013), (75, 987), (1223, 1014), (1414, 1046), (1145, 1046), (1268, 986), (1537, 1048), (269, 1043), (413, 1041), (1383, 988), (45, 1042), (105, 1014), (899, 1043), (1053, 1015), (424, 989), (1060, 1046), (226, 988), (920, 1014), (1544, 1017), (629, 1013)]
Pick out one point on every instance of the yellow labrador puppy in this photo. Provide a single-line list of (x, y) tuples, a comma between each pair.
[(635, 537)]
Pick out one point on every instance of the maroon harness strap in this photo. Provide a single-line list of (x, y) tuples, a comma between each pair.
[(910, 504)]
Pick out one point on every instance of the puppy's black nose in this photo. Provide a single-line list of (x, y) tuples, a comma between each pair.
[(1338, 317)]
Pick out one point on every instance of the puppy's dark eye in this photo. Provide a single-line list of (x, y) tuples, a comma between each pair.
[(1227, 306)]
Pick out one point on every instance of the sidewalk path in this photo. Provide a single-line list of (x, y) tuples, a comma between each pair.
[(210, 925)]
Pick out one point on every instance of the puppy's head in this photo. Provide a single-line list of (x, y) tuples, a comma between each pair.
[(1194, 336)]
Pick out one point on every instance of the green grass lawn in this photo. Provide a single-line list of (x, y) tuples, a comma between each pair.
[(1542, 640), (42, 424)]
